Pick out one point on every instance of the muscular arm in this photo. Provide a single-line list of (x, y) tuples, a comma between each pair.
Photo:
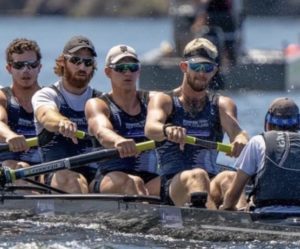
[(15, 141), (234, 192), (229, 122), (159, 108), (4, 129), (97, 115), (48, 116)]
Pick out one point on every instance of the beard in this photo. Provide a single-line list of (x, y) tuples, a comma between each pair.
[(196, 86), (79, 79)]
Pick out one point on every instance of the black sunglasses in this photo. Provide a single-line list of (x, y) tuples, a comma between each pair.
[(121, 68), (21, 64), (202, 67), (76, 60)]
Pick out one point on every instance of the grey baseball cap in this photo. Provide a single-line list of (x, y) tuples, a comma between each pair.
[(79, 42)]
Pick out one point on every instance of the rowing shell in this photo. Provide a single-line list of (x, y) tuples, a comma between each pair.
[(142, 214)]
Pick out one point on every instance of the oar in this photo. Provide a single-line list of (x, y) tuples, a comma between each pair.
[(8, 175), (227, 148), (31, 142)]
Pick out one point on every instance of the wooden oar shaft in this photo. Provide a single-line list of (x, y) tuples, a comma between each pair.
[(67, 163), (227, 148)]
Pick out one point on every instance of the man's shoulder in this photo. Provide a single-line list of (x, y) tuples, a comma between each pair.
[(44, 94), (257, 139), (224, 100), (45, 90), (256, 143)]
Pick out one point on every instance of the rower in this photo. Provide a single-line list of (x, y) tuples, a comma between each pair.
[(117, 120), (193, 110), (23, 58), (59, 113), (273, 159)]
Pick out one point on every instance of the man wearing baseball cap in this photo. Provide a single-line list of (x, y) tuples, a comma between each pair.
[(117, 120), (59, 113), (193, 110), (273, 158)]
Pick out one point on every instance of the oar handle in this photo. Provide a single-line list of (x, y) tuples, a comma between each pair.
[(190, 140), (9, 175), (227, 148), (81, 134), (31, 142), (148, 145)]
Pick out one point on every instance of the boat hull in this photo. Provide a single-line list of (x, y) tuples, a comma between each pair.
[(132, 214)]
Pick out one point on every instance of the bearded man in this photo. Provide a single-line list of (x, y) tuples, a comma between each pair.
[(59, 113), (193, 110)]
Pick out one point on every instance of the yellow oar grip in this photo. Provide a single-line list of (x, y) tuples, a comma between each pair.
[(80, 134), (190, 140), (227, 148), (148, 145), (31, 142)]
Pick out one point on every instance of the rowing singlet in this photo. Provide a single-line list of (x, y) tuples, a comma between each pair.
[(277, 183), (55, 146), (21, 122), (130, 127), (205, 125)]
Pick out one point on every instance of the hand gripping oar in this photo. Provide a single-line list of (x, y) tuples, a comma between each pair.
[(8, 175), (227, 148), (31, 142)]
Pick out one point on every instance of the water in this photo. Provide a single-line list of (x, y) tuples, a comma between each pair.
[(144, 35)]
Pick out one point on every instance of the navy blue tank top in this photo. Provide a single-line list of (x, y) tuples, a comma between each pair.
[(129, 126), (21, 122), (54, 146), (204, 124)]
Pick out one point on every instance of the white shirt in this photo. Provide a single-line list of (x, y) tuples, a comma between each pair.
[(48, 96), (251, 161), (252, 157)]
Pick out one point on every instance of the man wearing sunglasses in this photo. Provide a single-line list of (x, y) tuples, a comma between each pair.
[(117, 120), (23, 58), (59, 112), (192, 110)]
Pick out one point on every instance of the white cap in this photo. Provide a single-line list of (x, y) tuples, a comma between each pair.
[(119, 52), (200, 50)]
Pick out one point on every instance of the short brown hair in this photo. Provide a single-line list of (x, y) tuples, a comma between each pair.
[(20, 45)]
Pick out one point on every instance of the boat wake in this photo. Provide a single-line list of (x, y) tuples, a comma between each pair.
[(24, 230)]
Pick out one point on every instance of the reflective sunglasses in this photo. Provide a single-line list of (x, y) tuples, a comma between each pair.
[(21, 64), (121, 68), (202, 67), (76, 60)]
